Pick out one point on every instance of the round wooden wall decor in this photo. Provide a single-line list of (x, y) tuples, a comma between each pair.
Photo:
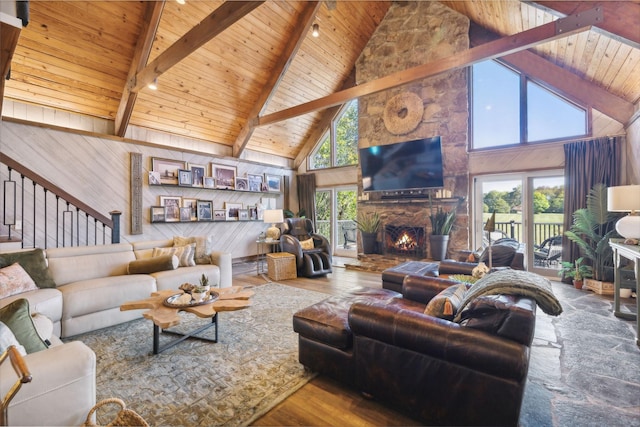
[(403, 113)]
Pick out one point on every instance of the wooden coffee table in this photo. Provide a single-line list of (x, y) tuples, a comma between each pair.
[(164, 317)]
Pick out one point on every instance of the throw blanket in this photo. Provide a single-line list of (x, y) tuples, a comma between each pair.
[(514, 282)]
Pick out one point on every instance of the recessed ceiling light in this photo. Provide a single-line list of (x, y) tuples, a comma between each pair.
[(315, 32), (154, 84)]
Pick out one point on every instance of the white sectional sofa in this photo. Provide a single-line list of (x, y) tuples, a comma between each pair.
[(91, 284)]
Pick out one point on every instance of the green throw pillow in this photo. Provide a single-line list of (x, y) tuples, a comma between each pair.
[(33, 263), (16, 316)]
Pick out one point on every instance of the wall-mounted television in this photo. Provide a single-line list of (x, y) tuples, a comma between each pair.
[(402, 166)]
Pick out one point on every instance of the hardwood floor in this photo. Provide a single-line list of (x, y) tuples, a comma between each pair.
[(322, 401)]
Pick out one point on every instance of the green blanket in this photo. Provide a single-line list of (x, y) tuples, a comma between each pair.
[(514, 282)]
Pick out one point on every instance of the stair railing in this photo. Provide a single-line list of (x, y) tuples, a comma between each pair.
[(44, 215)]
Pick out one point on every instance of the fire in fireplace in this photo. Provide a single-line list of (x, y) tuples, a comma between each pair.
[(405, 240)]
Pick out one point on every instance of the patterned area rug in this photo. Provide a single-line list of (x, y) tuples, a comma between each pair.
[(253, 367)]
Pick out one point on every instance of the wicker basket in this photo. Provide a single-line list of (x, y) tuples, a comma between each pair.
[(281, 266)]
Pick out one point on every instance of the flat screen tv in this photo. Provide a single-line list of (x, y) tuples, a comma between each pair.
[(402, 166)]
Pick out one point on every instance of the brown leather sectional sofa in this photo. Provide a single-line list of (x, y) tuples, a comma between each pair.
[(440, 372)]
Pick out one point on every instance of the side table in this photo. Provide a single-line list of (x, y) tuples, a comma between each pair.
[(630, 252), (264, 247)]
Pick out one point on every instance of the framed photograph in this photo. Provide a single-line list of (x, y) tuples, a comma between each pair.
[(242, 184), (243, 215), (172, 207), (185, 214), (198, 173), (253, 212), (157, 213), (168, 169), (209, 182), (205, 210), (273, 182), (193, 205), (225, 176), (220, 215), (264, 187), (185, 178), (232, 210), (154, 178), (255, 182)]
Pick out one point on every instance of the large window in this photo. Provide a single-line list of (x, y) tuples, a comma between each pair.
[(339, 145), (508, 109)]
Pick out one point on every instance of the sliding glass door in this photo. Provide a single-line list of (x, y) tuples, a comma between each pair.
[(529, 209), (335, 215)]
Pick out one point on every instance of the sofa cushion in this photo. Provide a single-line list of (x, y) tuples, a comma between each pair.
[(7, 339), (184, 253), (204, 246), (34, 264), (445, 304), (151, 265), (15, 280), (172, 279), (17, 317)]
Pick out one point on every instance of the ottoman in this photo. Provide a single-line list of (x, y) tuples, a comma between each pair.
[(393, 277), (281, 266)]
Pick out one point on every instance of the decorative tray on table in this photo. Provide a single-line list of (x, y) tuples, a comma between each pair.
[(179, 300)]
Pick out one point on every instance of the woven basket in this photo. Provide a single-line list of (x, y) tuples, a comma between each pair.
[(281, 266), (125, 417)]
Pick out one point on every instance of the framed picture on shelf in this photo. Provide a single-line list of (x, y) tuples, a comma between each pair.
[(232, 210), (225, 176), (157, 213), (154, 178), (205, 210), (255, 182), (253, 212), (193, 205), (220, 215), (264, 187), (243, 215), (185, 214), (168, 169), (172, 207), (198, 173), (209, 182), (273, 182), (185, 178), (242, 184)]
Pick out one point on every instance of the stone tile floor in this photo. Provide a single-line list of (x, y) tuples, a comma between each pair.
[(585, 364)]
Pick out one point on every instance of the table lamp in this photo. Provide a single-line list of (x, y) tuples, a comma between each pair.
[(273, 216), (626, 198)]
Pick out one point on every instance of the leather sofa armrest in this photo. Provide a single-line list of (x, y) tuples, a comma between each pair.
[(225, 262), (424, 288), (291, 245), (450, 266), (439, 339), (62, 391)]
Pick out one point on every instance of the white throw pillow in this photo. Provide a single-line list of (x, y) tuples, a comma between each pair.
[(184, 253), (7, 339)]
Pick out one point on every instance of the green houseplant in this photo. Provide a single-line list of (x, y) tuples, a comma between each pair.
[(576, 270), (368, 224), (591, 229), (441, 225)]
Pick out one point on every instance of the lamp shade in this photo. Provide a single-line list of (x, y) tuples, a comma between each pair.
[(626, 198), (273, 216)]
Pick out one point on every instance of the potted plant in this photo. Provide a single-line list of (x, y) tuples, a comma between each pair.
[(591, 229), (368, 224), (576, 271), (441, 225)]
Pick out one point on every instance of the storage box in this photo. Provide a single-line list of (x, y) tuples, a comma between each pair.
[(599, 287), (281, 266)]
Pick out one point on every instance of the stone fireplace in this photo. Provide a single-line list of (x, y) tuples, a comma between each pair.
[(404, 240)]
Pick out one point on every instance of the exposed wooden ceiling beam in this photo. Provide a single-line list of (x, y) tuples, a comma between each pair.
[(563, 81), (621, 18), (504, 46), (10, 28), (219, 20), (275, 77), (152, 15)]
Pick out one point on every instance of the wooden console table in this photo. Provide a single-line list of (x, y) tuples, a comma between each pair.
[(630, 252)]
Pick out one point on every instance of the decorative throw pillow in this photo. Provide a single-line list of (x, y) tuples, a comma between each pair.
[(446, 303), (43, 325), (34, 264), (184, 254), (14, 280), (204, 246), (307, 244), (153, 264), (16, 316), (7, 339)]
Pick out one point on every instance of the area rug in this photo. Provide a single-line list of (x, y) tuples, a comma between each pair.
[(252, 368)]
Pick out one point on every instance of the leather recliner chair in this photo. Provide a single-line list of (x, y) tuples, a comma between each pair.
[(312, 251)]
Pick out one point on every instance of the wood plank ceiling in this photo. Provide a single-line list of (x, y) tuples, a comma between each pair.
[(251, 59)]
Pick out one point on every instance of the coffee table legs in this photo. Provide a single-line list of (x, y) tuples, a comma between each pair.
[(183, 336)]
